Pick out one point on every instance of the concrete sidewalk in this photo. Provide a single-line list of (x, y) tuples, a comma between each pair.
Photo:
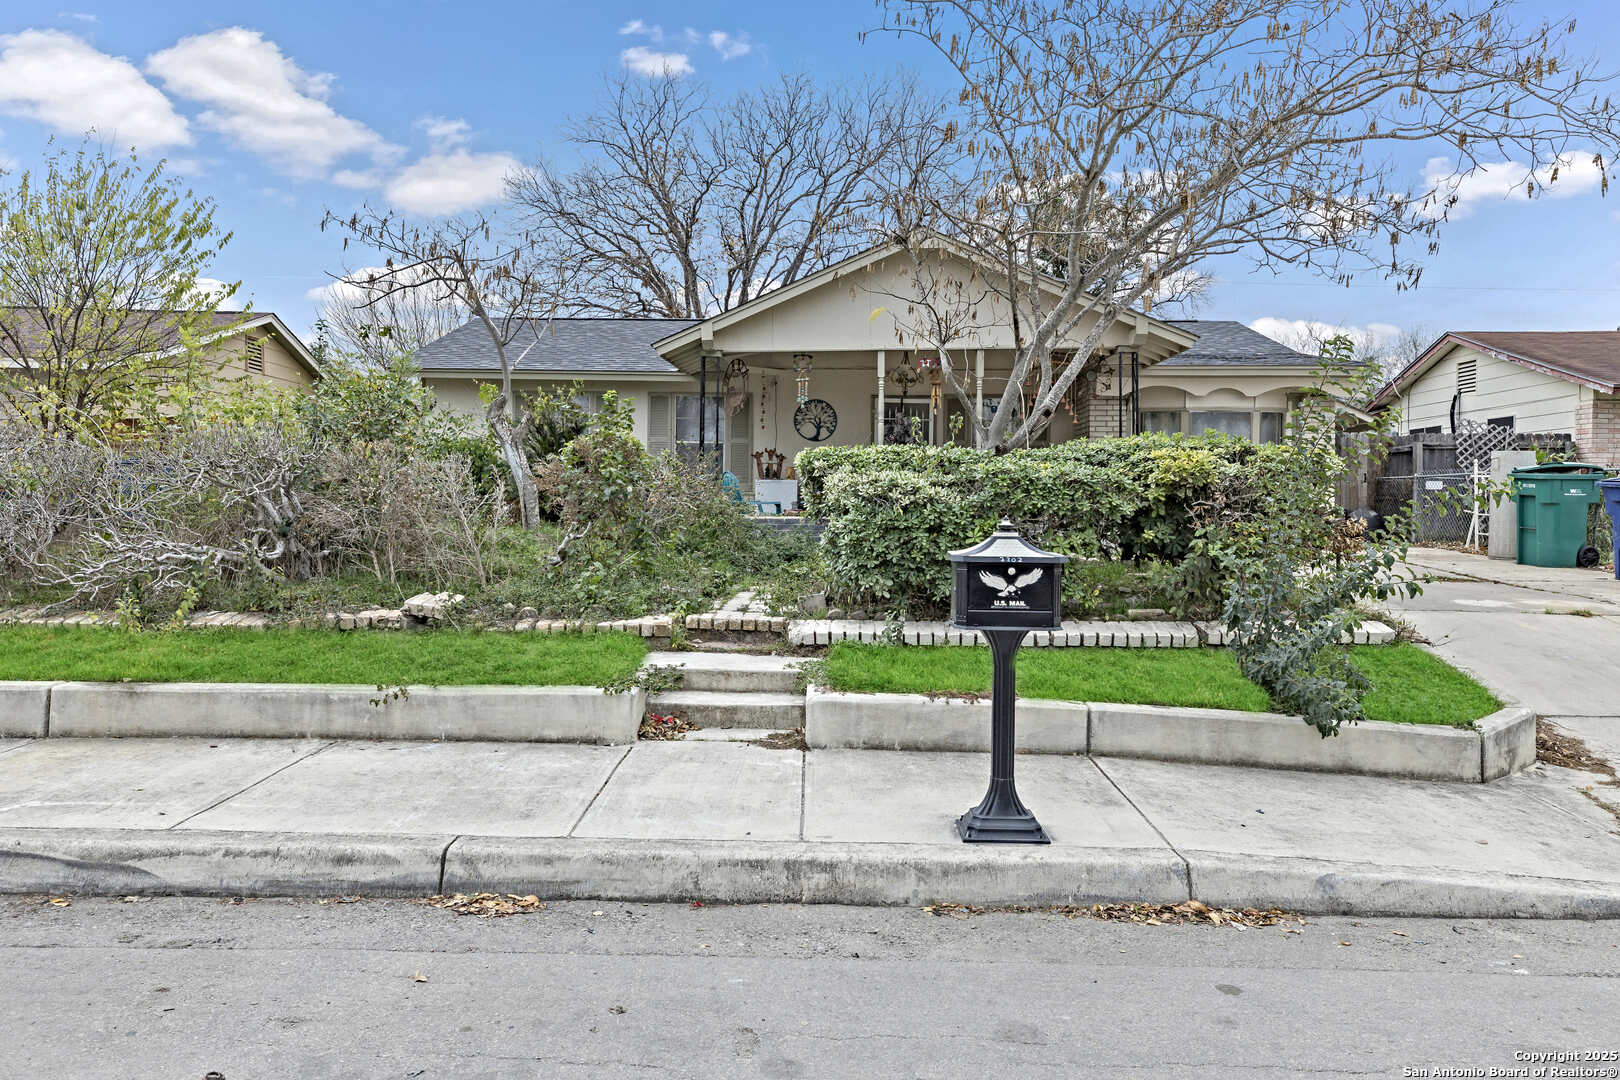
[(733, 821)]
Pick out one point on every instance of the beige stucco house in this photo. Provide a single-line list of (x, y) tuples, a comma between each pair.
[(827, 361), (1563, 382), (259, 347)]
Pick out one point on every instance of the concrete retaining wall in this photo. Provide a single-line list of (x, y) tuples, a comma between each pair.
[(24, 709), (915, 722), (583, 714), (1505, 741)]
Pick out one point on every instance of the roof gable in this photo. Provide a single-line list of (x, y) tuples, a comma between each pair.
[(1585, 357)]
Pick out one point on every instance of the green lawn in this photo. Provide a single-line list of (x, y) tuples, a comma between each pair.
[(1410, 686), (429, 657)]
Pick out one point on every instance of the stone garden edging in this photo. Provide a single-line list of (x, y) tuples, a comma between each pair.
[(1504, 743), (575, 714)]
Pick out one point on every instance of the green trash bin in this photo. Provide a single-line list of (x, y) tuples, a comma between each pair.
[(1552, 511)]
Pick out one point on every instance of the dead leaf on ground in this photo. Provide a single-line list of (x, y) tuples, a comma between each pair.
[(1188, 911), (1557, 747), (617, 1010), (487, 905), (59, 901), (419, 977)]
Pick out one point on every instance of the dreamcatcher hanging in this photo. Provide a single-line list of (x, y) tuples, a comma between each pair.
[(734, 386)]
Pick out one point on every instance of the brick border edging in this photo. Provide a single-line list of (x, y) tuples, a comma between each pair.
[(1503, 743)]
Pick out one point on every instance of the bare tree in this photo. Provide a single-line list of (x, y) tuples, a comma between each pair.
[(501, 279), (1386, 349), (378, 328), (1117, 144), (684, 206)]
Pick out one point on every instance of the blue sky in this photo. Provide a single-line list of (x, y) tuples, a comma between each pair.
[(287, 109)]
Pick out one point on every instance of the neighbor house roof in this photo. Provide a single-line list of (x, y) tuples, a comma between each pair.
[(30, 327), (1227, 343), (1587, 357), (564, 346)]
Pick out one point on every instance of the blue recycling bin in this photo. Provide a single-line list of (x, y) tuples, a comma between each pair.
[(1611, 503)]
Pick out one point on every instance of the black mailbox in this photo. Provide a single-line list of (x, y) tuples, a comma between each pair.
[(1006, 583), (1005, 588)]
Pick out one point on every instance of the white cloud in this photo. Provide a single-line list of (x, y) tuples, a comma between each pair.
[(730, 47), (59, 80), (1577, 174), (263, 101), (641, 28), (1307, 335), (653, 64), (357, 179), (444, 132), (78, 16), (449, 182), (7, 162)]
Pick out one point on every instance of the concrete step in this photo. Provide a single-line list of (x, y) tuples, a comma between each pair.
[(746, 672), (728, 734), (722, 709)]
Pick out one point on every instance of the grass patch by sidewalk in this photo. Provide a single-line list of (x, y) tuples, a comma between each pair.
[(1410, 686), (419, 658)]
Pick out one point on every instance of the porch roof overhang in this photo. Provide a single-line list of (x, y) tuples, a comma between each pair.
[(1153, 339)]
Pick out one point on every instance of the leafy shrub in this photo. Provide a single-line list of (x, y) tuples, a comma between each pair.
[(893, 513)]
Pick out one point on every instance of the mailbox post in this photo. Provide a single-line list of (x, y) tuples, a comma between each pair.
[(1004, 588)]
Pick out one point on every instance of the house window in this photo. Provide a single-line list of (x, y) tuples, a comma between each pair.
[(1271, 427), (906, 423), (255, 356), (1500, 421), (1226, 423), (686, 427), (1435, 430), (1167, 421)]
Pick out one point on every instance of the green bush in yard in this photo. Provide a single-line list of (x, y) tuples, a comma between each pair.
[(893, 512)]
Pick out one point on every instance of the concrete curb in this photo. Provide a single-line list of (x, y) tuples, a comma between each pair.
[(273, 710), (224, 863), (811, 872), (200, 862), (1334, 888), (1505, 741)]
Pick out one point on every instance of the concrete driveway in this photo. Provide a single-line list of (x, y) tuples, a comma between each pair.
[(1548, 638)]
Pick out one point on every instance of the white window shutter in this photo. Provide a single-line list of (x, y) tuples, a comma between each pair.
[(660, 424), (740, 444)]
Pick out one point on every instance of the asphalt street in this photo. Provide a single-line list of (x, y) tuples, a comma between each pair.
[(194, 988)]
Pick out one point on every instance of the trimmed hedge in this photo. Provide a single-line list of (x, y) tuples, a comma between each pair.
[(892, 513)]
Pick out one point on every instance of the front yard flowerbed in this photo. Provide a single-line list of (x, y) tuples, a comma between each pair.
[(1410, 686), (425, 658)]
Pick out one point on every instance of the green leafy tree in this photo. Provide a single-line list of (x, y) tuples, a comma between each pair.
[(104, 309)]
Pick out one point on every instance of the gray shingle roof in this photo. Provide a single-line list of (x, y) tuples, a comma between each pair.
[(1227, 343), (582, 346)]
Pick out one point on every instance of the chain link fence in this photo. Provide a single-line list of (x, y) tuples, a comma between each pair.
[(1438, 502)]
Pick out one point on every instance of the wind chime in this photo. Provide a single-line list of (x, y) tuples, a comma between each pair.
[(905, 377), (801, 375)]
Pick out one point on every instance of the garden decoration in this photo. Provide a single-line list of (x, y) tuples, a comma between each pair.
[(815, 419), (801, 375), (1005, 587), (768, 463), (905, 377)]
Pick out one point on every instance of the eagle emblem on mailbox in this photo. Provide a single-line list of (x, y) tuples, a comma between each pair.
[(1018, 584)]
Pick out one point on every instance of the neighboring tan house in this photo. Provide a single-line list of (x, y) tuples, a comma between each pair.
[(1564, 382), (253, 346), (733, 381)]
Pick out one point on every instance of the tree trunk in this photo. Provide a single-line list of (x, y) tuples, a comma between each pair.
[(510, 440)]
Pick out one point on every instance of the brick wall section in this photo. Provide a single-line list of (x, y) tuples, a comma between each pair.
[(1597, 430), (1102, 415)]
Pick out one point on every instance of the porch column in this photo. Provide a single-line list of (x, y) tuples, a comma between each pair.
[(978, 387), (703, 404), (877, 421)]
